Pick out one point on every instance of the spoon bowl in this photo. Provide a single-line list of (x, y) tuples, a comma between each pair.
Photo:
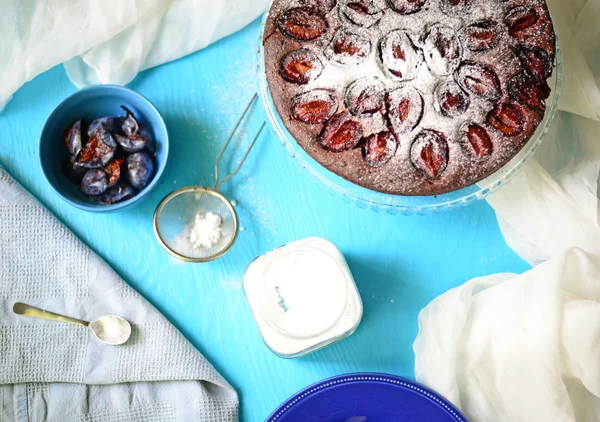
[(111, 329)]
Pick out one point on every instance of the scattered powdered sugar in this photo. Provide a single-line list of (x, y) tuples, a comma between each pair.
[(290, 72), (454, 99), (400, 58), (348, 48), (375, 11), (231, 284), (309, 99), (206, 231), (365, 96), (408, 99), (422, 75), (442, 37), (259, 213), (407, 30), (436, 146)]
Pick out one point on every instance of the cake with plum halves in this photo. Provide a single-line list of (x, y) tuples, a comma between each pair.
[(410, 97)]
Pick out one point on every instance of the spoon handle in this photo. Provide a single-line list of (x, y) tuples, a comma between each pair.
[(31, 311)]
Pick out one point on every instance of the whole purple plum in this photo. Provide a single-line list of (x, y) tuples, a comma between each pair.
[(95, 182), (140, 169), (73, 138)]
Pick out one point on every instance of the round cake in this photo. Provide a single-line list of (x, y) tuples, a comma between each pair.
[(410, 97)]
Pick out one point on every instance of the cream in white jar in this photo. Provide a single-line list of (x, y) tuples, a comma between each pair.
[(303, 297)]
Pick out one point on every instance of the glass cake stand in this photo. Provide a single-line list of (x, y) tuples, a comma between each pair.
[(408, 205)]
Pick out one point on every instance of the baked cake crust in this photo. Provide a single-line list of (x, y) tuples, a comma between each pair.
[(410, 97)]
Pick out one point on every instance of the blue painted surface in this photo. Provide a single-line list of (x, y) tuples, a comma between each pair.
[(400, 263)]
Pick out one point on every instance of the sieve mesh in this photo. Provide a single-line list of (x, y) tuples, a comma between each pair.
[(175, 218)]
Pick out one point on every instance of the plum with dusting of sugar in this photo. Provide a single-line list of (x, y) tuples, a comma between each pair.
[(110, 124), (98, 150), (95, 182), (140, 169), (73, 137), (115, 194)]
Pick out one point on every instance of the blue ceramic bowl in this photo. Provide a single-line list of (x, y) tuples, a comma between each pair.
[(89, 104)]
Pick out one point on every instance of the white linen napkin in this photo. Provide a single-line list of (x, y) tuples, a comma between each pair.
[(52, 371), (109, 41)]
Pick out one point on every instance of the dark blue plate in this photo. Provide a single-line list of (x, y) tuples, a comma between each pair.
[(366, 397)]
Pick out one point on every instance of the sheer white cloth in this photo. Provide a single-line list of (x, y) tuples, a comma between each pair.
[(109, 41), (518, 348)]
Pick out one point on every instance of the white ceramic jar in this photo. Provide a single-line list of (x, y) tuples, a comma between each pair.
[(303, 297)]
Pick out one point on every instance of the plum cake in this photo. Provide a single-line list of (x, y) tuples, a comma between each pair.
[(410, 97)]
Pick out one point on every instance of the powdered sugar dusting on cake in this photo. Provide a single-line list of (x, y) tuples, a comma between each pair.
[(400, 58), (433, 79)]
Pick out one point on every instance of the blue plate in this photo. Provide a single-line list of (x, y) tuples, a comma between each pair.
[(366, 397)]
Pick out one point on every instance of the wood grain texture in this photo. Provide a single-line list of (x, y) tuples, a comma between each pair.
[(400, 263)]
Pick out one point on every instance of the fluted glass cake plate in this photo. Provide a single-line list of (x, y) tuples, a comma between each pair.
[(408, 205)]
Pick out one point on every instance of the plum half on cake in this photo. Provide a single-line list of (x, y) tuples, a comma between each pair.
[(410, 97)]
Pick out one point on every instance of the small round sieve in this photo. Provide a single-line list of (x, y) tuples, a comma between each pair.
[(176, 214)]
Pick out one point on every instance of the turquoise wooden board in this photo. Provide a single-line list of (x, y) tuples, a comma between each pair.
[(400, 263)]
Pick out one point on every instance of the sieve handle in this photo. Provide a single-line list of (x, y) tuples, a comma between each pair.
[(218, 184)]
